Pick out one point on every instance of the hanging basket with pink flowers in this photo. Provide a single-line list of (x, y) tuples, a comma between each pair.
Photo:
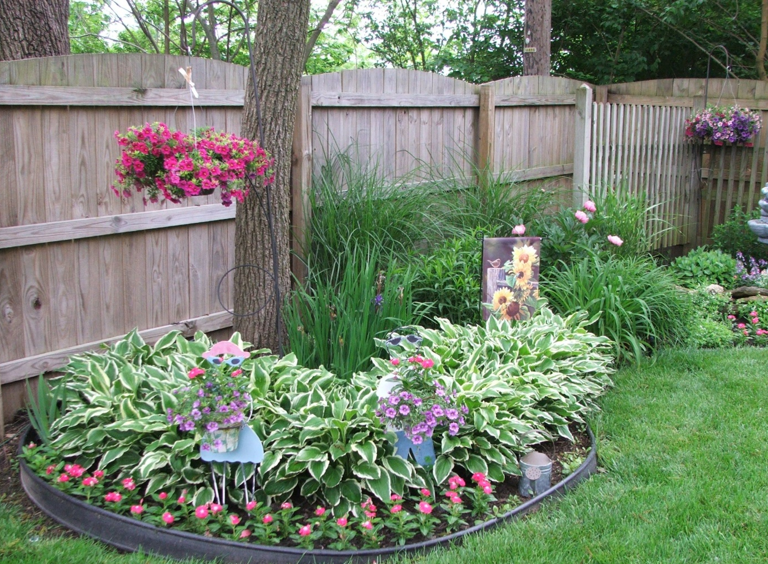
[(724, 126), (173, 165)]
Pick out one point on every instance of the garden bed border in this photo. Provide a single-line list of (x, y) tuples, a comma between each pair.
[(129, 534)]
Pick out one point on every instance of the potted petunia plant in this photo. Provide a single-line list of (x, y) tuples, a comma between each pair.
[(173, 165), (724, 126)]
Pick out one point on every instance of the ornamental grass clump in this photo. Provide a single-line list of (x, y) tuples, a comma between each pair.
[(176, 165)]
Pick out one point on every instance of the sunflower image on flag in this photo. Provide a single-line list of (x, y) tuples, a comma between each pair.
[(511, 277)]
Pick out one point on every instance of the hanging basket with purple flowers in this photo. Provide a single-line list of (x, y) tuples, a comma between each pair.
[(724, 126)]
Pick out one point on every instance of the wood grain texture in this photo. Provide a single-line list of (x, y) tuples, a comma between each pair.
[(11, 311), (38, 233), (114, 96)]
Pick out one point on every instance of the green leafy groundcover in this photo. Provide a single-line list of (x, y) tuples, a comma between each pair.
[(523, 384)]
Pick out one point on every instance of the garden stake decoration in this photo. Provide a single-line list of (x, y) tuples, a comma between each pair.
[(510, 285), (215, 403)]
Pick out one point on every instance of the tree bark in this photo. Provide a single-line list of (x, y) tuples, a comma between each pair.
[(33, 28), (537, 37), (279, 60)]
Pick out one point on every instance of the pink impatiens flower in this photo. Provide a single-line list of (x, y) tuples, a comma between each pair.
[(98, 473), (234, 519), (50, 469), (425, 508), (615, 240), (250, 505), (320, 511), (305, 531), (395, 361), (581, 216), (518, 229), (113, 497), (396, 509), (168, 518), (367, 525), (137, 509), (425, 492), (90, 482), (286, 505), (64, 478), (216, 508), (162, 495), (589, 205), (267, 519), (342, 522), (201, 512), (129, 484), (742, 326)]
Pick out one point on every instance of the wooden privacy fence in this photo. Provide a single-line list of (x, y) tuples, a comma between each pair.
[(79, 267)]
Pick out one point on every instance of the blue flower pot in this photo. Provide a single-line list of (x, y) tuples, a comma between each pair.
[(424, 454)]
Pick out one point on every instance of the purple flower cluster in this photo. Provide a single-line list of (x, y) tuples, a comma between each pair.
[(418, 416), (216, 397), (724, 125), (749, 270)]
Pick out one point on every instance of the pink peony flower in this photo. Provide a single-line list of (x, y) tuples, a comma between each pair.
[(201, 512), (234, 519), (615, 240), (137, 509), (267, 519), (581, 216), (367, 525), (320, 511), (162, 495), (342, 522), (113, 497), (518, 229), (589, 205), (168, 518), (250, 505), (305, 531), (425, 508)]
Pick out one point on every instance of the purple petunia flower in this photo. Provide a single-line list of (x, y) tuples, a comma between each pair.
[(453, 428), (417, 439), (452, 414), (404, 410), (196, 415), (391, 413), (212, 426), (394, 400), (437, 411)]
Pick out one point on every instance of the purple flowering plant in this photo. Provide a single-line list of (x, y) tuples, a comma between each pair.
[(732, 126), (751, 270), (217, 396), (419, 403)]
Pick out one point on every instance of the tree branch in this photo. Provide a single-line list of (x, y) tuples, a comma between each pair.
[(319, 29)]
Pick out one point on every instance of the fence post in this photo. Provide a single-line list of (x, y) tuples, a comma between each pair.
[(486, 133), (301, 178), (582, 145), (695, 201)]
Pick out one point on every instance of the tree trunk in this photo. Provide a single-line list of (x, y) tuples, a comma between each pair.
[(33, 28), (537, 37), (760, 59), (279, 60)]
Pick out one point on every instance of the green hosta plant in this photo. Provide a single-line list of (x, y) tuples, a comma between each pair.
[(523, 383), (703, 266), (325, 440)]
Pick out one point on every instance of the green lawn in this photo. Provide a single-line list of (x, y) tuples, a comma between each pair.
[(684, 444)]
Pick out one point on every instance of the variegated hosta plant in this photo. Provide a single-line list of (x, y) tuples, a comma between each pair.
[(522, 382)]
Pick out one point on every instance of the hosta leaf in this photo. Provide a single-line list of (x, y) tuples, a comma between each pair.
[(202, 496), (476, 464), (398, 466), (565, 432), (309, 487), (380, 486), (128, 379), (113, 454), (193, 475), (350, 489), (277, 487), (99, 380), (342, 508), (128, 410), (333, 475), (366, 470), (367, 450), (184, 446), (337, 451), (495, 472), (151, 463), (309, 434), (166, 341), (492, 455), (332, 495), (318, 467), (442, 469), (310, 453), (271, 459)]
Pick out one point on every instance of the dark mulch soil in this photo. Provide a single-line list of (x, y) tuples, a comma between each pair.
[(11, 491)]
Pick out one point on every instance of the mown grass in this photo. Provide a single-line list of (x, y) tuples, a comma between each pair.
[(683, 445)]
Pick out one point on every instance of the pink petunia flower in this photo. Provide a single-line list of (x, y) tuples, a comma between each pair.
[(518, 229), (589, 205), (581, 216)]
